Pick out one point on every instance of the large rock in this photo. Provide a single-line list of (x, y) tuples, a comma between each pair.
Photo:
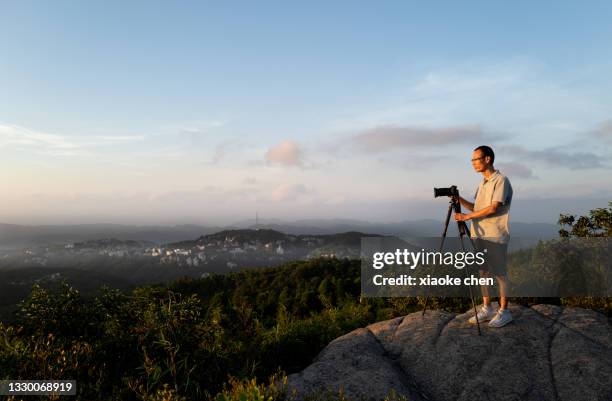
[(547, 353)]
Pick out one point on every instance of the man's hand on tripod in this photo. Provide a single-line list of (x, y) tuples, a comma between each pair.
[(479, 214), (461, 217)]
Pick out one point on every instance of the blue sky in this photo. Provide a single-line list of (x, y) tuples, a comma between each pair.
[(157, 112)]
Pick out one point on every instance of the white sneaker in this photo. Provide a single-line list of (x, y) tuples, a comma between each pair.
[(502, 318), (484, 314)]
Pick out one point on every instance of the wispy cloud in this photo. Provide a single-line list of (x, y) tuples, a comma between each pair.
[(518, 170), (513, 95), (288, 192), (558, 157), (390, 137), (52, 144), (117, 139), (193, 128), (223, 149), (14, 135), (603, 132)]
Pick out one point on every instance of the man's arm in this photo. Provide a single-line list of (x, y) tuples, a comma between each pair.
[(466, 204), (481, 213)]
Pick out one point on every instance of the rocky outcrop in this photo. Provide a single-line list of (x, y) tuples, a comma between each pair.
[(547, 353)]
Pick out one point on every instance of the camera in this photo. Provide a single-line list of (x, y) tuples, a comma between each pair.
[(452, 191)]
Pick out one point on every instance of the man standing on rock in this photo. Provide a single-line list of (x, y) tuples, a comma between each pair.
[(490, 212)]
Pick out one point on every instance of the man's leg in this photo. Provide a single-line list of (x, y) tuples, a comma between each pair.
[(487, 312), (503, 316), (503, 291), (497, 254), (486, 298), (481, 245)]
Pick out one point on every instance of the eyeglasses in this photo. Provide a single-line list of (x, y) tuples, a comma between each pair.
[(478, 158)]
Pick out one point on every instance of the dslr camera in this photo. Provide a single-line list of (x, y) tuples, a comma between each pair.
[(451, 191)]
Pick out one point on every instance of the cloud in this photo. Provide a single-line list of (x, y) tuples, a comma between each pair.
[(194, 128), (119, 139), (603, 132), (556, 157), (210, 194), (45, 143), (287, 192), (287, 153), (389, 137), (516, 170), (13, 135), (223, 149)]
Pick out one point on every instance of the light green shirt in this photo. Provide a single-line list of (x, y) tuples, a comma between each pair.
[(494, 227)]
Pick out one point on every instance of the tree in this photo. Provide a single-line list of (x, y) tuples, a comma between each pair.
[(597, 224)]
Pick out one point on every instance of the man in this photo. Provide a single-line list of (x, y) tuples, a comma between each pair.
[(490, 212)]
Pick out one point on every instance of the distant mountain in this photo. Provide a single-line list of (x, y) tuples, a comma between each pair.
[(243, 235), (21, 236), (112, 243), (314, 227), (524, 233), (12, 236), (265, 235)]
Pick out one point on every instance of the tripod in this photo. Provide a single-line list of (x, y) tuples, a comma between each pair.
[(455, 205)]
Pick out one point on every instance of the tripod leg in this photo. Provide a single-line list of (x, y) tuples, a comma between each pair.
[(448, 215), (466, 273)]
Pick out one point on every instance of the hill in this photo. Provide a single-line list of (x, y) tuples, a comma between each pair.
[(439, 356)]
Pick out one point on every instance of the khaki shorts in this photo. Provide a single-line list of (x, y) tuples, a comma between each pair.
[(496, 256)]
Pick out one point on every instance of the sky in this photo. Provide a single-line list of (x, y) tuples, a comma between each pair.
[(209, 112)]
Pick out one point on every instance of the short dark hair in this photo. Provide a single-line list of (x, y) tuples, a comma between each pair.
[(486, 151)]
